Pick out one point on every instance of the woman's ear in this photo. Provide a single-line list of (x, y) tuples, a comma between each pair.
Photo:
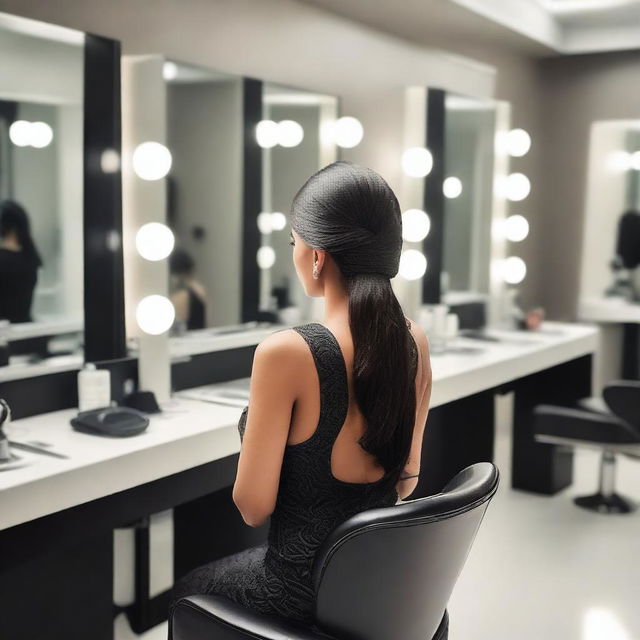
[(318, 257)]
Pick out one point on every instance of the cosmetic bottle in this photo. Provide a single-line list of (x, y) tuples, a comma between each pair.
[(94, 388)]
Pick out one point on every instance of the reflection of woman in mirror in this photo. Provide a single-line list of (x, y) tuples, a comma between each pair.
[(19, 263), (189, 296)]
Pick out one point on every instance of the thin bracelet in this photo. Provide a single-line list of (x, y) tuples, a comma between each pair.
[(407, 477)]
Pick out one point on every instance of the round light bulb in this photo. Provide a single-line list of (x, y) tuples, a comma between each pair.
[(266, 257), (41, 135), (151, 161), (452, 187), (516, 228), (514, 270), (278, 221), (110, 161), (154, 241), (267, 133), (264, 222), (517, 187), (348, 132), (415, 225), (413, 264), (518, 142), (634, 162), (155, 314), (417, 162), (290, 133), (169, 70), (20, 133)]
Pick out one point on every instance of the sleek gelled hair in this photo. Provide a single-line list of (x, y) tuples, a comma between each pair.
[(352, 213)]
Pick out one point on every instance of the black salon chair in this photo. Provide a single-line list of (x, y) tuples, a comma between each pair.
[(385, 574), (610, 425)]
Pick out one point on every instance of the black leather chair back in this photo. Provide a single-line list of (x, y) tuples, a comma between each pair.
[(389, 573), (623, 398)]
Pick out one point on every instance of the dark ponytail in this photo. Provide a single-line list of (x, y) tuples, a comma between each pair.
[(14, 218), (352, 213)]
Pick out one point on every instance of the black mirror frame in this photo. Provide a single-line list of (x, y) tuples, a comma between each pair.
[(104, 323)]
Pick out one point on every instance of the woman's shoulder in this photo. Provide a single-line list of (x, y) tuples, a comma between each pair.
[(284, 343)]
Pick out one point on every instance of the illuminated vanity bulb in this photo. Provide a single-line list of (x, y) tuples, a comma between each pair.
[(290, 133), (417, 162), (516, 228), (41, 135), (413, 264), (267, 133), (518, 142), (155, 314), (619, 161), (20, 133), (517, 187), (278, 221), (110, 161), (415, 225), (266, 257), (264, 222), (513, 270), (348, 132), (151, 161), (452, 187), (634, 161), (601, 623), (169, 70), (154, 241)]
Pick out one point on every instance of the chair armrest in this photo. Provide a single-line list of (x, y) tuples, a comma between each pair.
[(207, 617), (582, 425)]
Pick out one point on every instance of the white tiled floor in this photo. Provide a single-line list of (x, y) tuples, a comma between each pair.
[(542, 568)]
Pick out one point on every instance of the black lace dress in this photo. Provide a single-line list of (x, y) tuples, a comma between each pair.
[(275, 578)]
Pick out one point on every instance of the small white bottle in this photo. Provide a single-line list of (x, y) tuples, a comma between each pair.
[(94, 388)]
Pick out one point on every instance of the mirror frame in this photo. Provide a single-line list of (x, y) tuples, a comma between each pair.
[(104, 326)]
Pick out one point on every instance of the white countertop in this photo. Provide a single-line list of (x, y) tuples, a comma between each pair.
[(192, 432), (603, 310), (520, 353), (187, 434), (44, 326)]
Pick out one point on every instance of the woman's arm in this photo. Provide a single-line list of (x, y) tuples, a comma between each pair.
[(423, 397), (272, 393)]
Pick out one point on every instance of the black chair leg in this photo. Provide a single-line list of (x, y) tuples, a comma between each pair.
[(606, 500)]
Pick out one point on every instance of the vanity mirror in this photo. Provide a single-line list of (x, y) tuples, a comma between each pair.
[(60, 256), (469, 140), (610, 270), (239, 150), (294, 134)]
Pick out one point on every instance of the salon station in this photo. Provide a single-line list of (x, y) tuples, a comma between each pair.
[(148, 161)]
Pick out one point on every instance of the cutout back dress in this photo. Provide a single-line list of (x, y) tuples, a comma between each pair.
[(275, 577)]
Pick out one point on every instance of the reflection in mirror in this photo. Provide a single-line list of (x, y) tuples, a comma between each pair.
[(611, 250), (469, 142), (41, 193), (296, 141), (204, 199)]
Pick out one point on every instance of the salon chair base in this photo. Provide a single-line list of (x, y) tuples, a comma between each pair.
[(601, 503)]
